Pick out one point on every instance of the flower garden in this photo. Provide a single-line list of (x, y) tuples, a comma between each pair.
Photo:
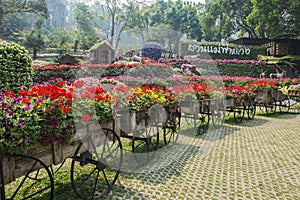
[(47, 108)]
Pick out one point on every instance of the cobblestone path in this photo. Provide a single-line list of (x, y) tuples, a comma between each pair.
[(257, 159)]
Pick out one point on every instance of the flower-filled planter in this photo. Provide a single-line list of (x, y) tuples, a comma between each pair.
[(189, 107), (263, 96), (126, 122)]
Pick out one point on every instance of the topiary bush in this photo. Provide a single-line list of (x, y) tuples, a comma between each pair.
[(15, 66)]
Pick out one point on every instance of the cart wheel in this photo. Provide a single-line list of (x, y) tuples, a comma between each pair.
[(172, 128), (145, 140), (218, 117), (28, 188), (284, 105), (96, 164), (39, 175), (239, 111), (201, 120), (251, 110), (271, 107)]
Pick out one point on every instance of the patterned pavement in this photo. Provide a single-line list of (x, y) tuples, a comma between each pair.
[(257, 159)]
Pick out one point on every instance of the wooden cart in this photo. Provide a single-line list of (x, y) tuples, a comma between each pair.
[(96, 161), (266, 100)]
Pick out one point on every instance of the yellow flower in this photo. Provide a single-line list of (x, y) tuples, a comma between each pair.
[(162, 99)]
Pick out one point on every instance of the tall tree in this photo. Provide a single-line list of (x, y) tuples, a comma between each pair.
[(9, 7), (58, 13), (88, 35), (117, 14), (35, 40), (275, 18)]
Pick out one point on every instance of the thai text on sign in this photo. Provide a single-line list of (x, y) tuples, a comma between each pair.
[(221, 49)]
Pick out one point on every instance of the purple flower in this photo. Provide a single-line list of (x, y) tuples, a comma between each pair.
[(24, 136), (12, 139), (28, 107), (20, 125), (54, 136), (53, 120), (54, 124), (3, 105), (47, 128)]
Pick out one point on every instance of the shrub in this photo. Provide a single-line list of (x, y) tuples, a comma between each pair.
[(15, 66)]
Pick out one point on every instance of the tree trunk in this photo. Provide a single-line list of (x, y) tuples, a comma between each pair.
[(34, 53), (75, 45), (112, 29)]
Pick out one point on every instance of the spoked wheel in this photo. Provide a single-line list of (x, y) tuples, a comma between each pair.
[(201, 120), (271, 107), (251, 109), (172, 128), (218, 117), (96, 164), (239, 111), (38, 175), (218, 113), (26, 186), (284, 105), (145, 140)]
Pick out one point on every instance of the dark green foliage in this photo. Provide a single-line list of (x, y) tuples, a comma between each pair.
[(15, 66)]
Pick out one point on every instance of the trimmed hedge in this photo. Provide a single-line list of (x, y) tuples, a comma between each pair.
[(215, 50), (15, 66)]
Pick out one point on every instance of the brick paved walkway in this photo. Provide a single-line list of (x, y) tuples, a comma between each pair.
[(257, 159)]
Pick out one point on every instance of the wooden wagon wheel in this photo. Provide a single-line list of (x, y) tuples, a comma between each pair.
[(251, 108), (96, 164), (284, 105), (26, 187), (39, 175), (238, 111), (201, 119), (145, 140), (218, 114), (171, 129)]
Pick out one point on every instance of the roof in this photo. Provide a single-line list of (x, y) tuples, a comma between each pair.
[(262, 41), (153, 45), (250, 41)]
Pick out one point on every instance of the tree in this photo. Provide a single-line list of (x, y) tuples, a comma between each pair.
[(35, 40), (275, 18), (176, 16), (58, 14), (9, 7), (116, 14), (87, 35)]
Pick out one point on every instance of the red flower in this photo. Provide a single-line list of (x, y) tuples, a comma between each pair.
[(66, 110), (86, 117), (78, 83), (61, 83), (25, 101)]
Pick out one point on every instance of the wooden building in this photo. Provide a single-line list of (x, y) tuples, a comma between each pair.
[(282, 47), (103, 53), (275, 47)]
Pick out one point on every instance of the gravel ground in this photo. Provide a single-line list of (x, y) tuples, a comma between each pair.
[(257, 159)]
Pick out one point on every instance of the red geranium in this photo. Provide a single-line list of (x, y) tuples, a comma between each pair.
[(86, 117)]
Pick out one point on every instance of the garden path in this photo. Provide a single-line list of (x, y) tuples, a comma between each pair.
[(258, 159)]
